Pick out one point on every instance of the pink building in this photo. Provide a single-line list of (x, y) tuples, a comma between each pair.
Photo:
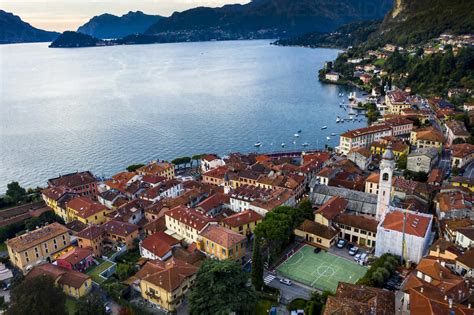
[(77, 259)]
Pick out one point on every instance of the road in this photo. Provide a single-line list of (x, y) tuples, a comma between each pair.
[(444, 162), (469, 171), (289, 293)]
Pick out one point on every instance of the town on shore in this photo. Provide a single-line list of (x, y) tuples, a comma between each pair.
[(381, 224)]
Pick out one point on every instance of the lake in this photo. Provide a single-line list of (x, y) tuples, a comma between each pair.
[(104, 108)]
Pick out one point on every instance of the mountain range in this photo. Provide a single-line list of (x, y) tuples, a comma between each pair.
[(108, 26), (269, 18), (14, 30)]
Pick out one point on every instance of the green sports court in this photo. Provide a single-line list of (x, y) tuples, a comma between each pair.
[(322, 271)]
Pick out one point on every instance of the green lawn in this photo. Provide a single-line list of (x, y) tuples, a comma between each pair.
[(263, 306), (94, 273), (322, 271), (71, 306)]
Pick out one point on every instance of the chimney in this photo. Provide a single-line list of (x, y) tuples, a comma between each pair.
[(421, 290), (443, 263), (445, 297), (450, 301)]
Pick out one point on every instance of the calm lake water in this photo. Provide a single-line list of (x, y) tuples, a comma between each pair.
[(63, 110)]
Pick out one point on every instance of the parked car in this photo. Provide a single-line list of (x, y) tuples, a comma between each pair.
[(349, 246), (6, 287), (353, 250), (341, 243), (317, 250), (363, 258), (357, 257), (286, 281)]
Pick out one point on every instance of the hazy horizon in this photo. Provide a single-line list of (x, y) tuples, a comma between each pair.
[(62, 15)]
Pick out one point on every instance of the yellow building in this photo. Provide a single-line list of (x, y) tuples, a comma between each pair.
[(242, 222), (427, 138), (56, 198), (398, 148), (86, 210), (160, 168), (460, 181), (165, 283), (221, 243), (73, 283), (37, 247), (316, 233)]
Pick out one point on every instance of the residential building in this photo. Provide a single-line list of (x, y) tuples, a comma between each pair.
[(397, 101), (159, 168), (333, 76), (453, 203), (427, 138), (401, 126), (413, 243), (215, 176), (465, 237), (170, 188), (462, 181), (222, 243), (158, 246), (56, 198), (462, 154), (82, 183), (73, 283), (79, 259), (357, 229), (465, 264), (432, 286), (363, 137), (456, 129), (444, 250), (372, 183), (214, 204), (92, 237), (435, 177), (187, 223), (165, 284), (86, 210), (399, 148), (243, 222), (37, 247), (317, 233), (354, 299), (109, 197), (121, 232), (361, 157), (210, 161), (422, 160)]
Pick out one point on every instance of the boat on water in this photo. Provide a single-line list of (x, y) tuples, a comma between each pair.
[(328, 138), (305, 144), (283, 145), (338, 119), (258, 144), (324, 127), (300, 131), (333, 134), (296, 135)]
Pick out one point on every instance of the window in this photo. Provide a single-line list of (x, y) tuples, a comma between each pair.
[(385, 177)]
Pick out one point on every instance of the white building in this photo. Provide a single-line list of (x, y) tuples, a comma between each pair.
[(210, 161), (363, 137), (387, 165), (422, 160), (404, 233)]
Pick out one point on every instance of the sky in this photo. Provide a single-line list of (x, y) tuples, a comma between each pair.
[(62, 15)]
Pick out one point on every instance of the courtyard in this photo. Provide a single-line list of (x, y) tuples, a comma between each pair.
[(321, 271)]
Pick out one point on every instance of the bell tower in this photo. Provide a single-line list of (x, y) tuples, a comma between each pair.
[(387, 165)]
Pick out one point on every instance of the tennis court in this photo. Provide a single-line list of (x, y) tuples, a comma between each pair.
[(322, 271)]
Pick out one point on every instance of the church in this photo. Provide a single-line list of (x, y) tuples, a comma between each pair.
[(401, 232)]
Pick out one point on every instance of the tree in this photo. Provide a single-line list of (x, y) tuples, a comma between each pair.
[(316, 303), (402, 162), (38, 295), (196, 157), (221, 287), (307, 209), (257, 266), (15, 192), (134, 167), (124, 271), (90, 304)]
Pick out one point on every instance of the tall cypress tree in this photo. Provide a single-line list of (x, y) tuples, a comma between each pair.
[(257, 266)]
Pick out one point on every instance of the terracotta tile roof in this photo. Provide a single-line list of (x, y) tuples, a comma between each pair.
[(159, 243), (333, 207), (354, 299), (155, 226), (320, 157), (110, 194), (210, 157), (218, 172), (213, 202), (36, 237), (189, 217), (374, 177), (168, 275), (405, 185), (399, 121), (55, 193), (153, 179), (119, 228), (457, 128), (430, 134), (242, 218), (416, 224), (436, 176), (63, 276), (397, 146), (91, 232), (124, 176), (444, 245), (362, 151), (357, 221), (398, 96), (327, 232), (262, 158), (85, 207), (467, 231), (453, 200), (73, 180), (222, 236), (76, 226), (365, 131), (76, 255), (462, 150), (154, 168), (156, 191)]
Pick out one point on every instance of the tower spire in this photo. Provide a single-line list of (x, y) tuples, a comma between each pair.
[(387, 165)]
